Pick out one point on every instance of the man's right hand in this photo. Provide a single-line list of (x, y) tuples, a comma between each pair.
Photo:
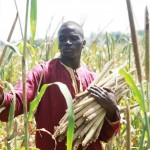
[(1, 94)]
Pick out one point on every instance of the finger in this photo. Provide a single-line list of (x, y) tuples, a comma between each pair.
[(94, 87), (98, 94), (95, 95), (100, 98)]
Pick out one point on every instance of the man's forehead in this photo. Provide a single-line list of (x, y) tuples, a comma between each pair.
[(70, 28)]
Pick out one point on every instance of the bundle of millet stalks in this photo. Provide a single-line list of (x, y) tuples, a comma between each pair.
[(88, 114)]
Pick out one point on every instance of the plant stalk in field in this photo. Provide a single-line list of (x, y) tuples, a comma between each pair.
[(24, 77), (8, 39)]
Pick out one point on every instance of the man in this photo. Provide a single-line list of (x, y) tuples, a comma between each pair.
[(68, 70)]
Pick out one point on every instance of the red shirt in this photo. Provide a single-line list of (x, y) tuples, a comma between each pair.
[(52, 106)]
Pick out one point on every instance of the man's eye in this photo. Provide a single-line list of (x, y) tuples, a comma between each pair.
[(74, 38), (62, 39)]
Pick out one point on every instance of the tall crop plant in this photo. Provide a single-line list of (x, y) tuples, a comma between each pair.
[(102, 49), (141, 94), (28, 116)]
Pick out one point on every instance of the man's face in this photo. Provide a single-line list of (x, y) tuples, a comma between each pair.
[(70, 42)]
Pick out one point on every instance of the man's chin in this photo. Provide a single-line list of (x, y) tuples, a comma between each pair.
[(68, 56)]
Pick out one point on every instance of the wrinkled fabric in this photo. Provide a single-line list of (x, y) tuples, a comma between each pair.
[(53, 105)]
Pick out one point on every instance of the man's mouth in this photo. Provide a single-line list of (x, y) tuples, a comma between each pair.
[(67, 49)]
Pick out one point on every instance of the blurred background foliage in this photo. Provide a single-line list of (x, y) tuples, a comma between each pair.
[(99, 49)]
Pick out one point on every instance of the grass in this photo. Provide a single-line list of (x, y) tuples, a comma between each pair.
[(96, 53)]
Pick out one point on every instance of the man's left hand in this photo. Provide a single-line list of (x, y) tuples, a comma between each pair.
[(106, 99)]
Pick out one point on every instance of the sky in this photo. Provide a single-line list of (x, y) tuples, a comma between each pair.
[(97, 15)]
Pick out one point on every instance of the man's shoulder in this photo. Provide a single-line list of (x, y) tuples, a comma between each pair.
[(44, 65), (49, 63), (87, 70)]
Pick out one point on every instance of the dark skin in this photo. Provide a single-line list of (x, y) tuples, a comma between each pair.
[(71, 42)]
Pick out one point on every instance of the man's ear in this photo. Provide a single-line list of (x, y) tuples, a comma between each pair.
[(84, 42)]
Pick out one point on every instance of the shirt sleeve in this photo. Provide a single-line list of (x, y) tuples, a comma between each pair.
[(109, 128), (32, 85)]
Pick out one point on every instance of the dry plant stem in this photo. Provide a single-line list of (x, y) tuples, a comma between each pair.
[(82, 94), (120, 90), (85, 147), (120, 86), (114, 81), (8, 39), (93, 115), (88, 126), (63, 119), (24, 76), (19, 18), (91, 110), (98, 131), (76, 110), (78, 131), (63, 128), (125, 108), (85, 102), (89, 116), (105, 69), (118, 96), (105, 80), (147, 46), (81, 101), (76, 143), (119, 80), (117, 92), (79, 122), (78, 99), (61, 137), (134, 41), (93, 129), (60, 129), (79, 109), (79, 114)]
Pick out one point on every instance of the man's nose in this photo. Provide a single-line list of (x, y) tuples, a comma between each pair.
[(68, 42)]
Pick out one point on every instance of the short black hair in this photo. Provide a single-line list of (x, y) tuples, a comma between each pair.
[(69, 23)]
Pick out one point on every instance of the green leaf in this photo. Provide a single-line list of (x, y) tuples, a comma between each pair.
[(65, 91), (33, 18), (22, 137), (136, 92), (68, 97), (11, 115), (6, 61), (35, 102), (13, 48), (141, 141), (30, 47), (12, 109)]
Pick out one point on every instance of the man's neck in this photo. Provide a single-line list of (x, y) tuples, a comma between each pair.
[(71, 62)]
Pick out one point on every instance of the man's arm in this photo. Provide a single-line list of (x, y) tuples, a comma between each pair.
[(106, 99), (32, 83)]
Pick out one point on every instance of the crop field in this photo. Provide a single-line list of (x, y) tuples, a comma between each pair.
[(131, 51)]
